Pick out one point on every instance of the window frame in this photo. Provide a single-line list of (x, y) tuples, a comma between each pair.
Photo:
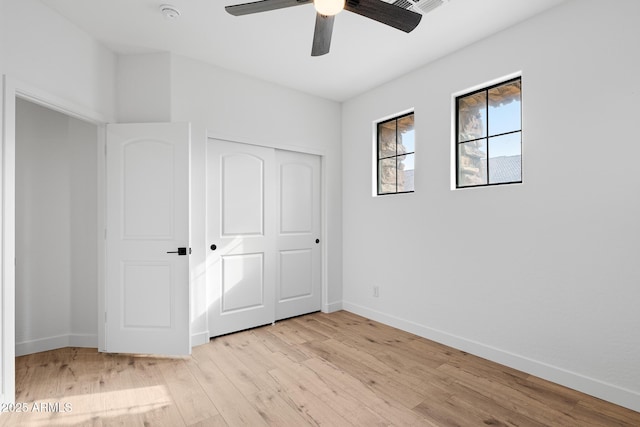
[(395, 118), (458, 143)]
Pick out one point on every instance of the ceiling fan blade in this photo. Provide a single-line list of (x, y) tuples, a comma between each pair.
[(322, 35), (262, 6), (378, 10)]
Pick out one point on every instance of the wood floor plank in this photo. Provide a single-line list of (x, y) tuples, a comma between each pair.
[(322, 330), (478, 406), (257, 384), (215, 421), (371, 361), (136, 392), (335, 396), (511, 398), (589, 408), (228, 400), (276, 344), (250, 348), (391, 410), (544, 392), (347, 359), (321, 369), (313, 409), (190, 398), (304, 330)]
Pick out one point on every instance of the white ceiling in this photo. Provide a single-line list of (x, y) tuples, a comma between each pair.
[(276, 45)]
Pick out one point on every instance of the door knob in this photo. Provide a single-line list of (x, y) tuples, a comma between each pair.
[(213, 247), (180, 251)]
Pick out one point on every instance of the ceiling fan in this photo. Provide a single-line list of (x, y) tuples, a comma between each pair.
[(378, 10)]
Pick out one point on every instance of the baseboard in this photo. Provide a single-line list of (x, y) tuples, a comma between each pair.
[(55, 342), (602, 390), (200, 338), (332, 307), (83, 340)]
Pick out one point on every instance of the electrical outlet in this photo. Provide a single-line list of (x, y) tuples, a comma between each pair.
[(376, 291)]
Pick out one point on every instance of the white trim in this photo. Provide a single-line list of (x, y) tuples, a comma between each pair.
[(324, 233), (102, 235), (332, 307), (393, 116), (278, 146), (609, 392), (199, 338), (31, 93), (83, 340), (55, 342), (7, 247)]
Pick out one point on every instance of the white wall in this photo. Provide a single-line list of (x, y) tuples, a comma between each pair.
[(42, 226), (82, 139), (56, 230), (144, 88), (544, 277), (231, 106), (2, 37), (46, 51)]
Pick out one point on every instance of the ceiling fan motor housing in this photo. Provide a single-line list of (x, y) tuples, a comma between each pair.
[(419, 6)]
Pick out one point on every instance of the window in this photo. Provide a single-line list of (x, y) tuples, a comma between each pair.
[(489, 136), (396, 153)]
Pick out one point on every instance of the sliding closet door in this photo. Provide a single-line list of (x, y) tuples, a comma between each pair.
[(263, 231), (299, 285), (240, 236)]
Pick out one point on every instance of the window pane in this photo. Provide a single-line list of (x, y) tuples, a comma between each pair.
[(387, 139), (472, 163), (472, 117), (387, 176), (406, 168), (504, 108), (406, 142), (505, 158)]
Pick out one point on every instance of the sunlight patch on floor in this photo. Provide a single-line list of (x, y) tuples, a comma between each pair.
[(81, 408)]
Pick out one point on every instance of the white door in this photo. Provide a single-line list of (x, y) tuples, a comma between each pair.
[(240, 236), (263, 219), (147, 284), (299, 285)]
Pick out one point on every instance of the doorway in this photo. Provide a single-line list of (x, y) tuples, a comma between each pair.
[(56, 210)]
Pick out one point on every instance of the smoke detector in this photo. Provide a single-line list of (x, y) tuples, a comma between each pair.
[(170, 12)]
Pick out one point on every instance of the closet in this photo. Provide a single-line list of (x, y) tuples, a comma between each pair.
[(263, 235), (56, 230)]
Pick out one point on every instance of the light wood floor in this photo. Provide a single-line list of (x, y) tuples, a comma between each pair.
[(321, 369)]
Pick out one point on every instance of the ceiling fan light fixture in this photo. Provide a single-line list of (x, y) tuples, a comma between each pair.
[(328, 7)]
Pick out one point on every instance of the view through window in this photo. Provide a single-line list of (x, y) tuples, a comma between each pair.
[(396, 155), (489, 136)]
